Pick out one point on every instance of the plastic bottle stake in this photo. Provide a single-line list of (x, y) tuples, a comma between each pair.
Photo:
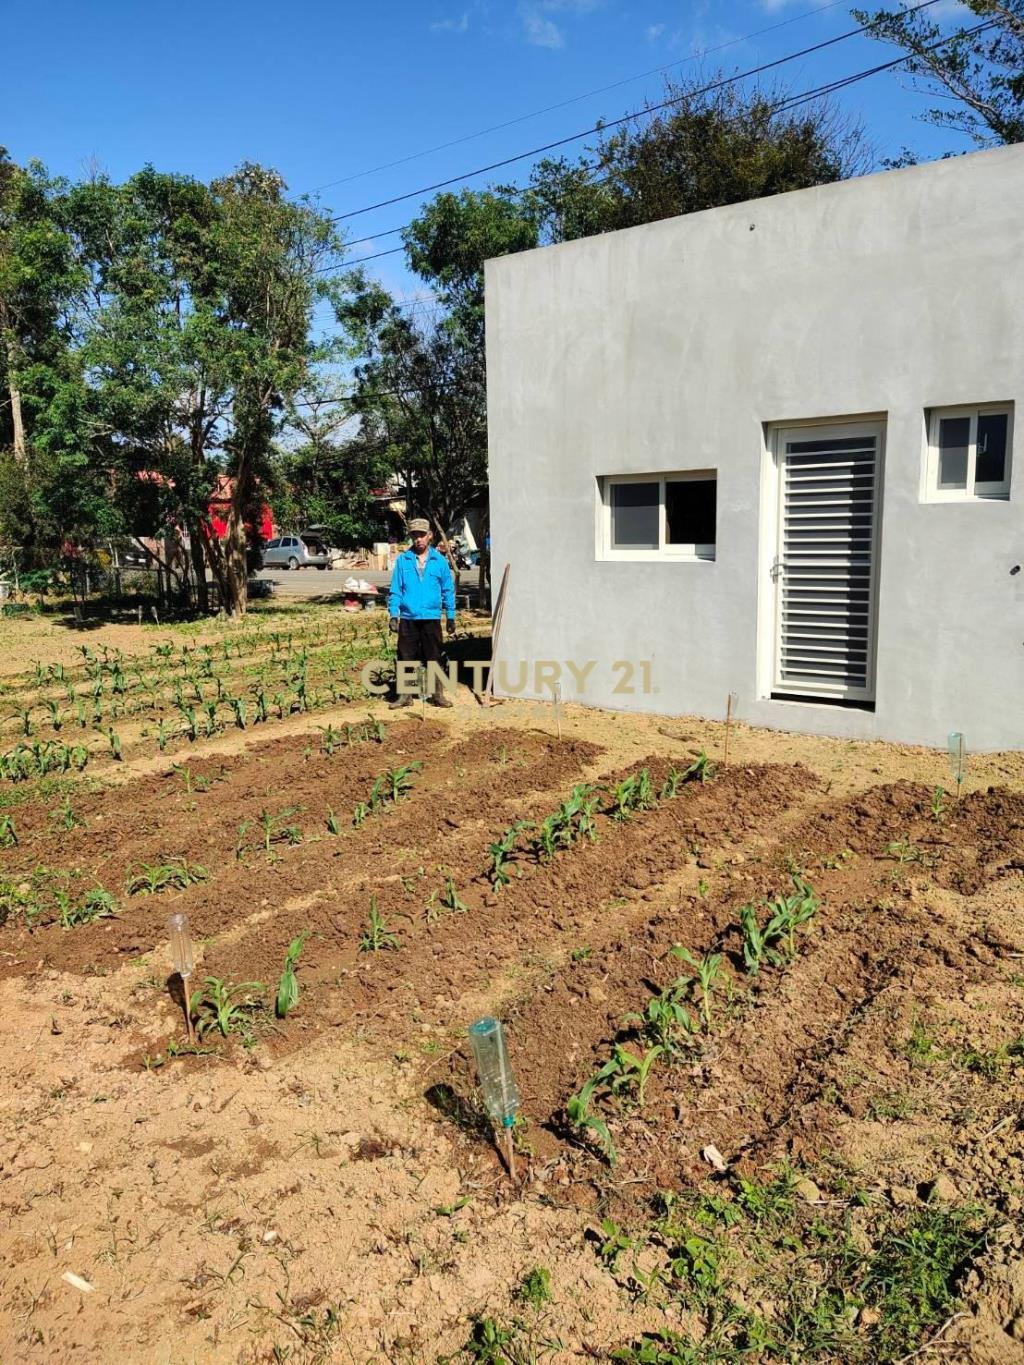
[(501, 1098), (181, 944), (181, 956), (957, 759)]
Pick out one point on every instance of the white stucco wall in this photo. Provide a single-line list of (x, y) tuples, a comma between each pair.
[(670, 346)]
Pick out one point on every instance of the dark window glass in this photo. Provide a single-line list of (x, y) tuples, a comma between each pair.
[(634, 516), (954, 438), (690, 506), (833, 445), (990, 466)]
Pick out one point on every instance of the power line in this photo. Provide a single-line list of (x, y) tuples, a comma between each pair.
[(576, 99), (615, 123), (791, 102)]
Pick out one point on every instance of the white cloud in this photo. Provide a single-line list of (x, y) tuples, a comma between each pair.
[(654, 31), (459, 25), (542, 31)]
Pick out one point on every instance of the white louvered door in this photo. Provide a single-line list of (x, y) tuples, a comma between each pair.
[(825, 568)]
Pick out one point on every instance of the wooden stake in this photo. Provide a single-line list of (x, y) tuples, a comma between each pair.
[(728, 723), (190, 1027), (511, 1155), (499, 607)]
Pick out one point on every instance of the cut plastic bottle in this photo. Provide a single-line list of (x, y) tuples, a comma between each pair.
[(501, 1098), (181, 944)]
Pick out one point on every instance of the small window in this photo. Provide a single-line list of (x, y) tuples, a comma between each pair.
[(969, 453), (658, 516), (272, 544)]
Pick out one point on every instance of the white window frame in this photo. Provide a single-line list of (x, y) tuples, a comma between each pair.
[(691, 554), (973, 492)]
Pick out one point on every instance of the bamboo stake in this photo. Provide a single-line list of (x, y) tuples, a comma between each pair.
[(189, 1026), (511, 1155), (728, 726), (499, 607)]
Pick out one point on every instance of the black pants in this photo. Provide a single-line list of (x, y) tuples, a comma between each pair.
[(419, 641)]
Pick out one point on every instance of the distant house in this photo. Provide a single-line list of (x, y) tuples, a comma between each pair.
[(220, 505), (773, 449)]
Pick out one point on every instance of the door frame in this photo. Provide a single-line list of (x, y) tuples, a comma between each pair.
[(769, 594)]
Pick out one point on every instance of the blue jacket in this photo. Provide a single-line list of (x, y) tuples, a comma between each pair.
[(421, 599)]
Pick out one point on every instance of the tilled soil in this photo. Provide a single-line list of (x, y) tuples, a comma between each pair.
[(325, 1186)]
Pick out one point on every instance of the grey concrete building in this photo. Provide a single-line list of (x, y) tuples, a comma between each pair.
[(770, 449)]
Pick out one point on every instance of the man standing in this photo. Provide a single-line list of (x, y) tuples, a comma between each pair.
[(421, 584)]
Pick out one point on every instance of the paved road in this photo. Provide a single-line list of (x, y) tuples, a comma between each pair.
[(326, 584)]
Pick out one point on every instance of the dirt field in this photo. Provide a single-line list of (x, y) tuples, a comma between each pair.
[(816, 1155)]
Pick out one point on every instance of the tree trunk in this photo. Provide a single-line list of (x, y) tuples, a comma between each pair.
[(199, 562), (20, 450), (17, 419), (233, 548)]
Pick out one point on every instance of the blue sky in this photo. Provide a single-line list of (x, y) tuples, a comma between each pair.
[(328, 92)]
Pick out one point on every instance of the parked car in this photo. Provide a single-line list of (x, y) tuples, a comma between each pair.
[(294, 552)]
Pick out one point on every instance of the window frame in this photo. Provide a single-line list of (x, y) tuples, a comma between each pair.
[(989, 491), (686, 554)]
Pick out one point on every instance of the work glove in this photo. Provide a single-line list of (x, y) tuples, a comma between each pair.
[(451, 625), (393, 625)]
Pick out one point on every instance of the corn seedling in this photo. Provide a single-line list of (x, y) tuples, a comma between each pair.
[(631, 1073), (670, 787), (700, 770), (98, 904), (272, 830), (176, 875), (401, 779), (288, 987), (450, 898), (8, 834), (24, 714), (238, 710), (573, 820), (359, 813), (633, 794), (938, 804), (219, 1006), (377, 936), (585, 1123), (667, 1021), (193, 781), (775, 941), (64, 816), (501, 853), (706, 973), (115, 744), (333, 827), (331, 739), (903, 851)]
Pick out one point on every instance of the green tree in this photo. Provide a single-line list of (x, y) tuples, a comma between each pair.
[(982, 73), (420, 396), (51, 489), (422, 389), (199, 338), (327, 474)]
